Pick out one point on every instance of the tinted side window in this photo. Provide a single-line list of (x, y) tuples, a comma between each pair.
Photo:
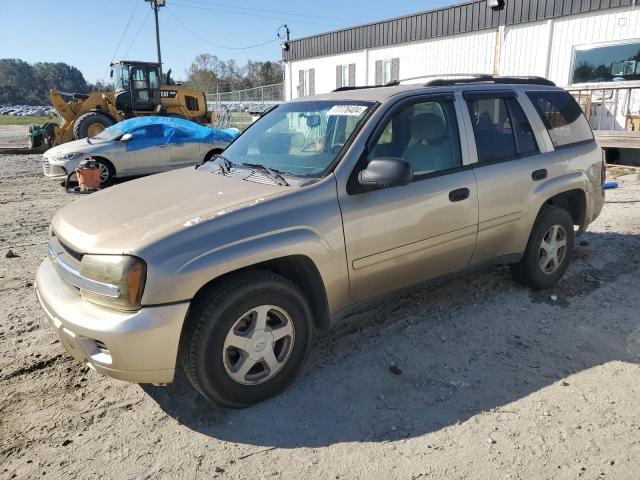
[(424, 134), (562, 117), (493, 129), (525, 139)]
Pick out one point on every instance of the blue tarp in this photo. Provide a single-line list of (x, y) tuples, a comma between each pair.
[(151, 131)]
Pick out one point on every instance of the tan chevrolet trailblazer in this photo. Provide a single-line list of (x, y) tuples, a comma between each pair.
[(323, 207)]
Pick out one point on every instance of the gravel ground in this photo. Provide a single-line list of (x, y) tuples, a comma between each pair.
[(490, 379)]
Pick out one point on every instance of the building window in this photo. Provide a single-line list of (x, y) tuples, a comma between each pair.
[(610, 63), (305, 84), (386, 71), (344, 72)]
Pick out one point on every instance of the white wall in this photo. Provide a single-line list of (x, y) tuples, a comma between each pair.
[(541, 48), (617, 24), (524, 49), (325, 71)]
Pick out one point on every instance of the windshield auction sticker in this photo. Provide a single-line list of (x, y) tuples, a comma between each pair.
[(350, 110)]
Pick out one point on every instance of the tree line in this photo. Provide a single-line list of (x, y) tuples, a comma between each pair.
[(29, 84), (210, 74)]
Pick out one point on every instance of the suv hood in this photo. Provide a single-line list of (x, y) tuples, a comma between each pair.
[(127, 217)]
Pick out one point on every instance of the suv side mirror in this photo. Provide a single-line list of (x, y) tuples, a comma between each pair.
[(386, 172), (126, 137)]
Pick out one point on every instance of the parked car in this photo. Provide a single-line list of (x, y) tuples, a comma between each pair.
[(140, 146), (322, 208)]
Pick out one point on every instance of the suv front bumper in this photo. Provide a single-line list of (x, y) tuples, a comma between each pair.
[(137, 346)]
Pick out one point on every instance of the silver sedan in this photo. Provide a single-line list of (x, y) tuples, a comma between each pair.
[(140, 146)]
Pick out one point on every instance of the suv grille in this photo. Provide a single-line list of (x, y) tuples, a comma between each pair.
[(70, 251), (46, 166)]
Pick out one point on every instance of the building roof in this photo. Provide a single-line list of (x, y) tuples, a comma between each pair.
[(452, 20)]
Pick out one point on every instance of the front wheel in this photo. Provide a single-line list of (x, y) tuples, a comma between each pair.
[(107, 172), (548, 251), (245, 340)]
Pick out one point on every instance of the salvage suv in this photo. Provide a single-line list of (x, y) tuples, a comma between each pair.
[(323, 207)]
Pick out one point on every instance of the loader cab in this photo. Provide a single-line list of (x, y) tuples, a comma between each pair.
[(137, 86)]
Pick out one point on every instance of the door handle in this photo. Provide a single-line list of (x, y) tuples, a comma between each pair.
[(163, 146), (459, 194), (539, 174)]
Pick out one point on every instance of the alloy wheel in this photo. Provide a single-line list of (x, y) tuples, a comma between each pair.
[(553, 249), (258, 345)]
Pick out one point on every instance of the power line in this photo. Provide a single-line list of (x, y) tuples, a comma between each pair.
[(113, 56), (215, 44), (245, 14), (125, 30), (137, 34), (275, 12)]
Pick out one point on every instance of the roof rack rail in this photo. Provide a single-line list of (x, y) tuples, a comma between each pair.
[(443, 80), (361, 87), (482, 78)]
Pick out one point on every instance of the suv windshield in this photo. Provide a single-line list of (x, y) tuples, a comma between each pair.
[(299, 138)]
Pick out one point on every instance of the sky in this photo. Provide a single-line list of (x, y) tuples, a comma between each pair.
[(88, 34)]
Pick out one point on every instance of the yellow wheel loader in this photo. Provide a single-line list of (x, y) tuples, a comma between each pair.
[(138, 92)]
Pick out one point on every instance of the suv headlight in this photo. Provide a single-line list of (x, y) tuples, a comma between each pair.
[(126, 273)]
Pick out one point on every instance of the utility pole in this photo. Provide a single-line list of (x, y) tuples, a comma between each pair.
[(155, 5)]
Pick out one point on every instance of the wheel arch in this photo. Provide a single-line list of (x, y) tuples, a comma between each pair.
[(109, 162), (300, 270), (211, 152), (574, 202)]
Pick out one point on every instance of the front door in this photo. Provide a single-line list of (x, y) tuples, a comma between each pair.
[(400, 236), (148, 150)]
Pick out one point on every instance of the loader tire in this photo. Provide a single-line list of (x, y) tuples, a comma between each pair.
[(90, 124)]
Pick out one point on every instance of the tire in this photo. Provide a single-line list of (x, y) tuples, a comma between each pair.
[(209, 357), (531, 271), (107, 171), (89, 123)]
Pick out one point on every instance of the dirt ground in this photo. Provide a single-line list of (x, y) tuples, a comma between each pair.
[(493, 381)]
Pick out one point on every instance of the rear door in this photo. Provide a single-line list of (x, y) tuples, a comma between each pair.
[(396, 237), (512, 161), (185, 149)]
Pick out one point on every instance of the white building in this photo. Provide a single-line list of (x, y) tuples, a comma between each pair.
[(567, 41)]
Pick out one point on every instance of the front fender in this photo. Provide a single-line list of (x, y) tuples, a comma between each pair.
[(305, 223)]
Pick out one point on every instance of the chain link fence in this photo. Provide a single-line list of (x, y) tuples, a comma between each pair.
[(240, 108)]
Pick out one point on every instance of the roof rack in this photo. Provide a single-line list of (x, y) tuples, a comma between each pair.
[(362, 87), (445, 79), (486, 78)]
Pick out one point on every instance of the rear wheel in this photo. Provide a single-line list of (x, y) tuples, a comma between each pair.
[(548, 251), (246, 340), (91, 124)]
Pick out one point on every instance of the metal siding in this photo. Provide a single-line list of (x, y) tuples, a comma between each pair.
[(456, 19)]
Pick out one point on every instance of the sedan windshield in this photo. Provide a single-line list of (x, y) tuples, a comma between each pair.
[(110, 133), (299, 138)]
